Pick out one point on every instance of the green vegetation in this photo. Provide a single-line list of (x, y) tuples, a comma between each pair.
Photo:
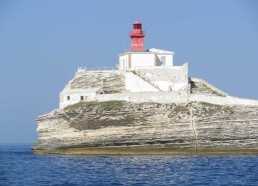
[(228, 109), (210, 109), (108, 105), (105, 105), (200, 110), (205, 88), (180, 109), (76, 105)]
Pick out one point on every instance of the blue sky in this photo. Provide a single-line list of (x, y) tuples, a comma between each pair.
[(43, 42)]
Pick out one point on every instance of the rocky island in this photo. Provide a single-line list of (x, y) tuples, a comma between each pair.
[(146, 105)]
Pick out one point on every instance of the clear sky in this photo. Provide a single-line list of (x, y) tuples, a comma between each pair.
[(43, 42)]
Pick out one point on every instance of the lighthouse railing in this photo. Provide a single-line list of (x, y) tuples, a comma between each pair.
[(97, 68)]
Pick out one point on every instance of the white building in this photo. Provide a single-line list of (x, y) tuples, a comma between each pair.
[(157, 78), (143, 71), (71, 96), (149, 58)]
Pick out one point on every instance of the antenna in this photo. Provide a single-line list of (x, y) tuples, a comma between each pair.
[(124, 46)]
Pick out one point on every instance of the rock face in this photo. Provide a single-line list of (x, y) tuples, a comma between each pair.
[(119, 127), (205, 120)]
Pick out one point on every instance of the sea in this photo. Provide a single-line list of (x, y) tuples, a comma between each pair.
[(19, 166)]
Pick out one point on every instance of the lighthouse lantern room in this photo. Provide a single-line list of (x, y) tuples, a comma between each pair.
[(137, 37)]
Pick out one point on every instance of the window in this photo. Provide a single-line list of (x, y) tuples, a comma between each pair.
[(68, 97), (82, 98), (163, 60)]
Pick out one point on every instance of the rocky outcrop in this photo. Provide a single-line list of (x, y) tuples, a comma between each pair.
[(111, 81), (200, 86), (199, 119), (119, 127)]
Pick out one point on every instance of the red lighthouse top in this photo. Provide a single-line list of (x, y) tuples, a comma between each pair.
[(137, 37)]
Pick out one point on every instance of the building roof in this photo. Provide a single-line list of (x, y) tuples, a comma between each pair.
[(151, 51), (80, 90), (158, 50)]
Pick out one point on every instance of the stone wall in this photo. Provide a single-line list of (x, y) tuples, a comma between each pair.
[(169, 97), (134, 83), (72, 96), (166, 78), (158, 97), (121, 84), (147, 86), (228, 100)]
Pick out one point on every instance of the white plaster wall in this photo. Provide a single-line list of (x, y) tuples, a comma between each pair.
[(228, 100), (75, 96), (157, 97), (179, 86), (134, 83), (163, 73), (163, 85), (170, 97), (123, 62), (169, 59), (149, 58), (166, 78), (170, 86), (142, 59)]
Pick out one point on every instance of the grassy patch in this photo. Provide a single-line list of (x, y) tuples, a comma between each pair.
[(180, 109), (206, 88), (76, 105), (105, 105), (210, 109), (110, 105)]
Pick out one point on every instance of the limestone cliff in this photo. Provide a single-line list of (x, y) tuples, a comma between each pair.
[(119, 127), (203, 120)]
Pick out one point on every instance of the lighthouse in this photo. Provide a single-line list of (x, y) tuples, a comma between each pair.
[(138, 57), (137, 37), (138, 71)]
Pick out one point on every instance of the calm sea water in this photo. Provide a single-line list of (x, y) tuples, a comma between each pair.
[(19, 166)]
